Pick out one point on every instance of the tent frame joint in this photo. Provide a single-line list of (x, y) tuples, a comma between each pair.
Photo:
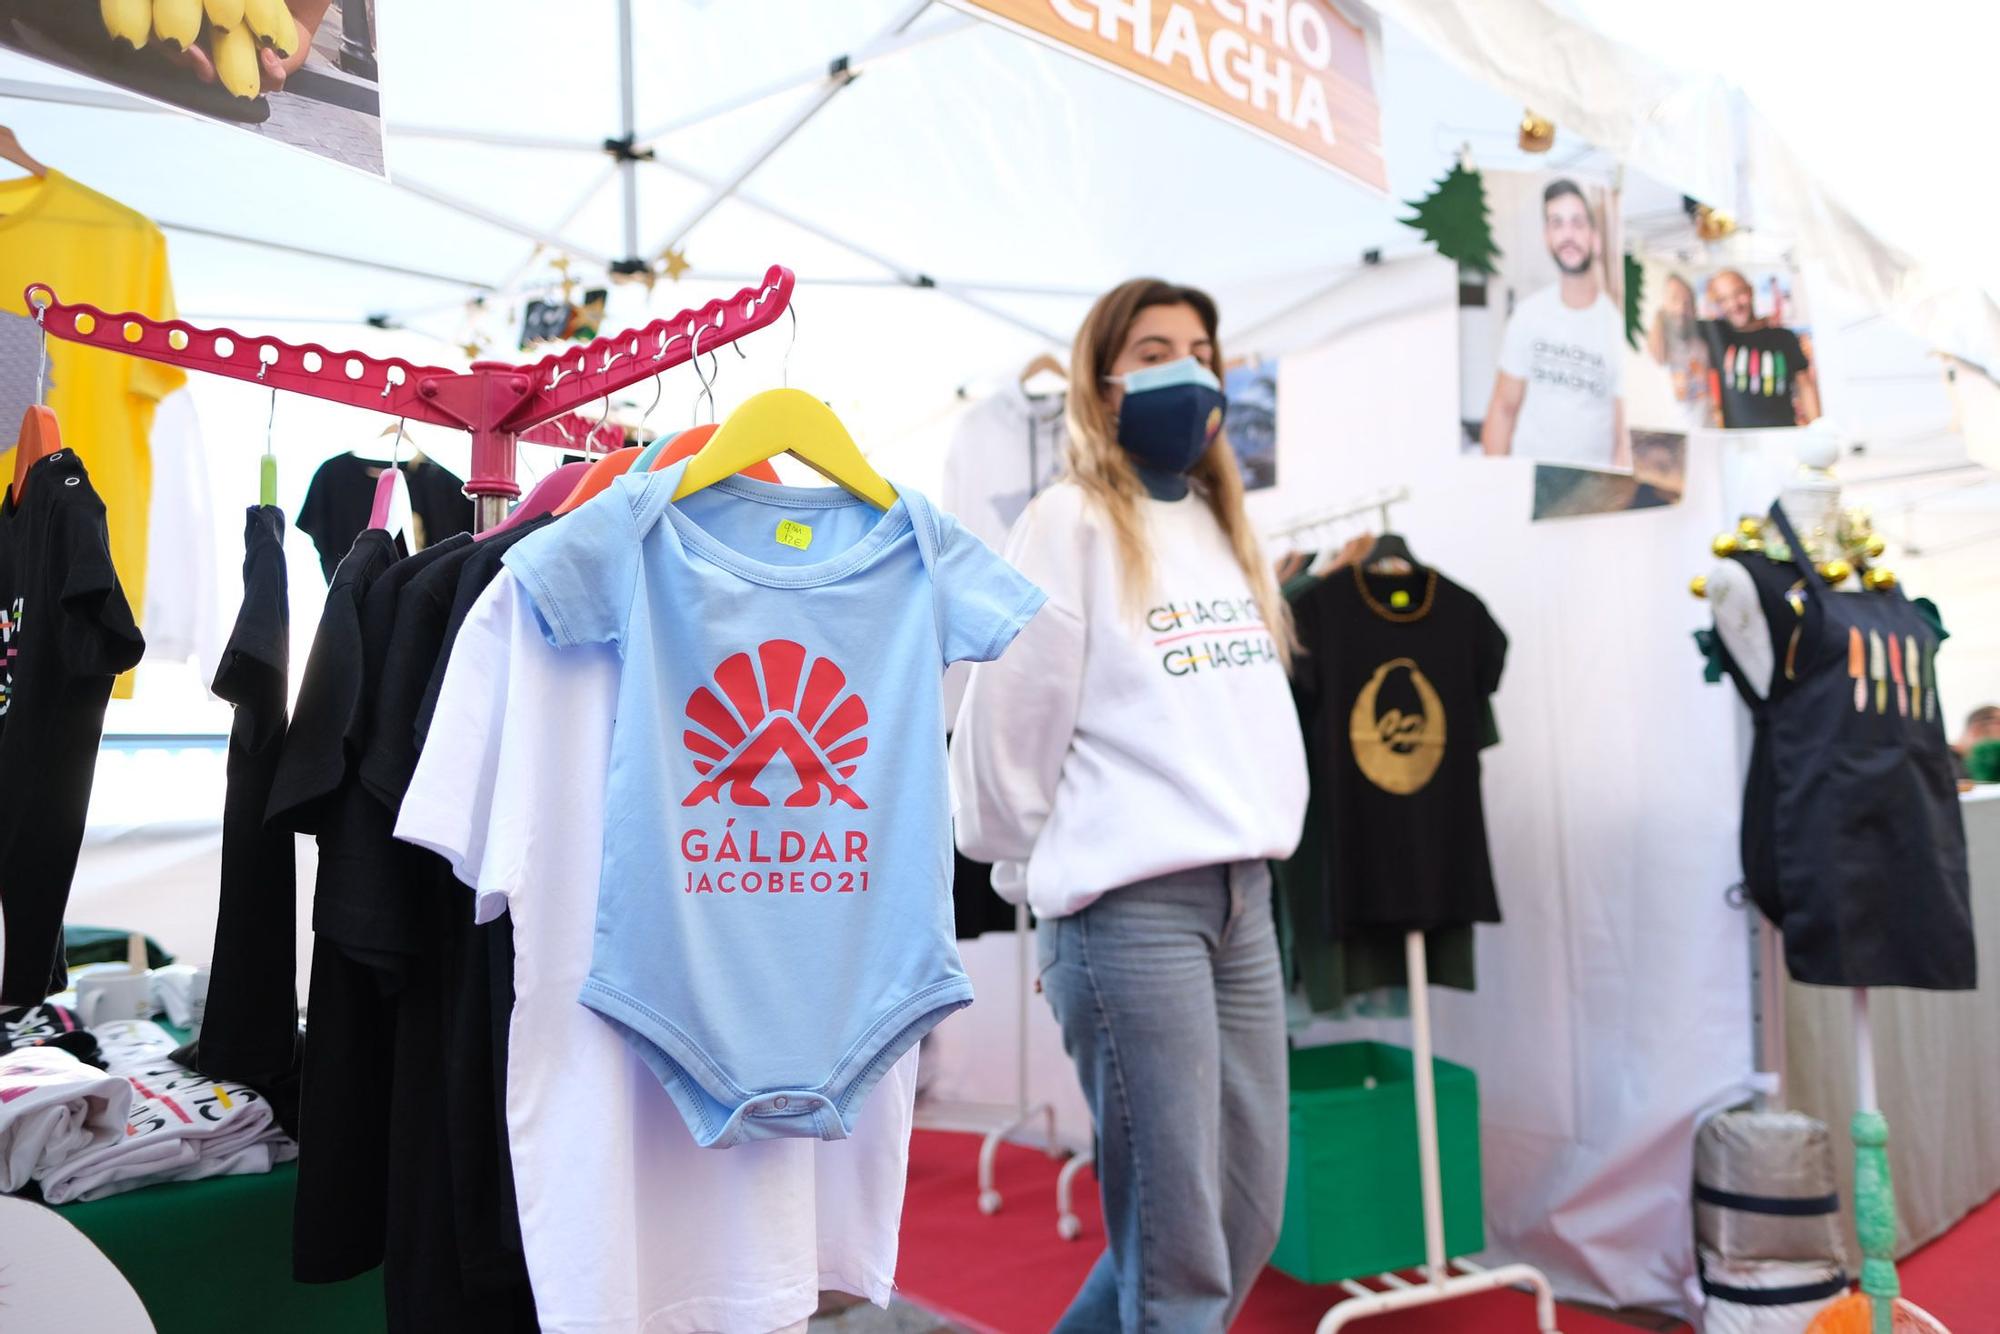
[(626, 148)]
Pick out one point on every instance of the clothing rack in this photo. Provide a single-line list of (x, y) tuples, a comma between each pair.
[(498, 402), (1305, 523), (1439, 1283), (1444, 1278)]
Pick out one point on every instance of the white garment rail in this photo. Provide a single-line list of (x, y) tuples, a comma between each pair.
[(1440, 1284), (1313, 519)]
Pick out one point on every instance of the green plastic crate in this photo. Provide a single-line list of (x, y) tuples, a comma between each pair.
[(1353, 1199)]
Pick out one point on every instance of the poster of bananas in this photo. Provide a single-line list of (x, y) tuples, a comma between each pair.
[(301, 72)]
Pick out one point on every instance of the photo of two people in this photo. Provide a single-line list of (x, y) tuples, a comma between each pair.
[(1737, 347)]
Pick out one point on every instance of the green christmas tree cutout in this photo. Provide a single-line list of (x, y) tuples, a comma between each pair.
[(1635, 297), (1454, 219)]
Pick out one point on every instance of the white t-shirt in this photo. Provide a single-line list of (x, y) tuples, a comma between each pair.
[(1108, 746), (625, 1223), (1574, 364), (180, 618)]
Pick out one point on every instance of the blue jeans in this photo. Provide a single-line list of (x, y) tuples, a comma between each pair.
[(1170, 1001)]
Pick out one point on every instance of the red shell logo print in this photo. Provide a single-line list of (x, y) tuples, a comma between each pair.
[(788, 703)]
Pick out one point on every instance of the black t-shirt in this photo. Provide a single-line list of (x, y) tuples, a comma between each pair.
[(1392, 688), (423, 608), (379, 1174), (480, 570), (452, 1178), (65, 634), (342, 493), (340, 1209), (1757, 369), (249, 1032), (357, 901)]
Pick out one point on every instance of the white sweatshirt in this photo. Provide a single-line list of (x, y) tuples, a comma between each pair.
[(1107, 747)]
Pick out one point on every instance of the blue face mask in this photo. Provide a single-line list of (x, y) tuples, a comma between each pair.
[(1170, 415)]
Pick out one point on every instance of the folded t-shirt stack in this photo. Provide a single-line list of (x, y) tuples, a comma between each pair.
[(49, 1025), (181, 1126), (54, 1108)]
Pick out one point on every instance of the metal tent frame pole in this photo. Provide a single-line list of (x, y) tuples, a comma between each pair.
[(621, 148), (838, 75), (896, 43), (632, 148)]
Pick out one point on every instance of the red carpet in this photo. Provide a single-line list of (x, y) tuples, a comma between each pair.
[(1953, 1278), (1011, 1274)]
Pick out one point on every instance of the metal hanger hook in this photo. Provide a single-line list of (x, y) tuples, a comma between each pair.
[(270, 421), (707, 385), (42, 354), (785, 367), (659, 388)]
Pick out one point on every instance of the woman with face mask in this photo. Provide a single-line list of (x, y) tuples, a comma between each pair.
[(1128, 766)]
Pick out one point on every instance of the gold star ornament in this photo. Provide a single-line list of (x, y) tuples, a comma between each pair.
[(675, 262)]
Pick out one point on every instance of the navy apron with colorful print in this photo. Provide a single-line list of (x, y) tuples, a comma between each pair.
[(1853, 843)]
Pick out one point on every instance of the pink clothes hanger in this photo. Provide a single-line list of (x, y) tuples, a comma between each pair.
[(391, 509), (550, 492)]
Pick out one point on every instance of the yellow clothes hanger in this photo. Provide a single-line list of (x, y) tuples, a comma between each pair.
[(786, 421)]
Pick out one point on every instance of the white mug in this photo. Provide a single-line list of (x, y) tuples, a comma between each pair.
[(103, 997)]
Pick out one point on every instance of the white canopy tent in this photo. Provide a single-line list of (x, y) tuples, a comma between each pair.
[(953, 196)]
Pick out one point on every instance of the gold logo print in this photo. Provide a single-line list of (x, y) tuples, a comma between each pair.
[(1399, 752)]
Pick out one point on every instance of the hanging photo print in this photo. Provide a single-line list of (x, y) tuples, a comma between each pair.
[(300, 72), (1658, 477), (1251, 422), (559, 320), (1735, 342), (1542, 375)]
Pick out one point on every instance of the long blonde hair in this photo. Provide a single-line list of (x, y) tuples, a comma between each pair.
[(1099, 465)]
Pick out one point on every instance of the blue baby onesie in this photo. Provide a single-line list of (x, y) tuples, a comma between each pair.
[(774, 920)]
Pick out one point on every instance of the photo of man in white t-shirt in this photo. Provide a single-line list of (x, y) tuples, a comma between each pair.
[(1558, 396)]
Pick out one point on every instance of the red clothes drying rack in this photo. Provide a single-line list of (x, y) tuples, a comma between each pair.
[(497, 401)]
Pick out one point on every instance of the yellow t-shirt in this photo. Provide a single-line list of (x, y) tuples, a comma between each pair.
[(95, 250)]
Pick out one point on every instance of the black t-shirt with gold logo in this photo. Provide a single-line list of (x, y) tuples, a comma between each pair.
[(1392, 690)]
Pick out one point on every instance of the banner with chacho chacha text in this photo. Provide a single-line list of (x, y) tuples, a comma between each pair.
[(1297, 71)]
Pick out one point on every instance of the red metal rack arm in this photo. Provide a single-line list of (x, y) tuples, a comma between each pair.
[(572, 377), (495, 400), (384, 384)]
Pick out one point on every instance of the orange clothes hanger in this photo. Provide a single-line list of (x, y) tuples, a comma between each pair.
[(599, 476), (689, 443), (40, 437)]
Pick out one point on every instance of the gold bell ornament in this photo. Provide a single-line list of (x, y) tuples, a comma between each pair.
[(1712, 224), (1836, 572), (1879, 580), (1538, 133), (1749, 526), (1726, 544), (1699, 585), (1873, 546)]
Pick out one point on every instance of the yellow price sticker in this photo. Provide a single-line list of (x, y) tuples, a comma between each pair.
[(1399, 598), (793, 534)]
